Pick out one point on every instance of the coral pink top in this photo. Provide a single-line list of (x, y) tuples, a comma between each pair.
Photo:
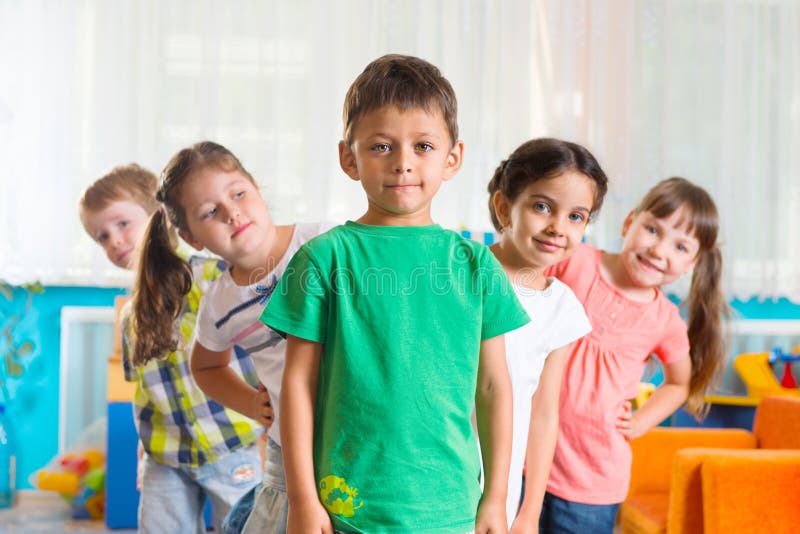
[(592, 460)]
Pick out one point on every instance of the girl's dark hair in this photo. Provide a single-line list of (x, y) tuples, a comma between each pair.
[(164, 278), (705, 304), (541, 159)]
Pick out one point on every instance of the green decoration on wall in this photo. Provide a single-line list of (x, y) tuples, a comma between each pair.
[(15, 353)]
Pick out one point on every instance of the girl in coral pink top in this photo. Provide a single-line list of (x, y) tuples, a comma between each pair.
[(672, 232)]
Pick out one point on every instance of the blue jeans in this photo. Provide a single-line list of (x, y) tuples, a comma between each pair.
[(173, 497), (560, 516), (237, 517), (271, 506)]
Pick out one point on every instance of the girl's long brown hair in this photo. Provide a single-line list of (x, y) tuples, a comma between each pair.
[(705, 304), (164, 278)]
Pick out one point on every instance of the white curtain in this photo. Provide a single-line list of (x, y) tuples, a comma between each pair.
[(709, 90)]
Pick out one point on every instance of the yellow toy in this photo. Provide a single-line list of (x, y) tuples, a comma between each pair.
[(80, 479)]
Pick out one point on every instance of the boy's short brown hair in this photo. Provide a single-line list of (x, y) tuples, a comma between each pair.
[(124, 182), (405, 81)]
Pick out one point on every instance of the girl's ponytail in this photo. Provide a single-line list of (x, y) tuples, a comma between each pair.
[(162, 282), (706, 308)]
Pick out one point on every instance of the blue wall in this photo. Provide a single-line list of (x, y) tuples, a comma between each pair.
[(34, 396)]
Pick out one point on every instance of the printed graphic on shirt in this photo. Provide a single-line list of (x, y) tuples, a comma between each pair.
[(339, 498)]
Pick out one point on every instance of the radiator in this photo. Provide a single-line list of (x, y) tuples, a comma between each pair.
[(87, 340)]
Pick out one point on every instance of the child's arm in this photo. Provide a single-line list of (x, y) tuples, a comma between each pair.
[(493, 409), (541, 447), (667, 398), (298, 395), (217, 380)]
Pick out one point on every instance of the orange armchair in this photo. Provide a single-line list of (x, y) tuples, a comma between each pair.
[(718, 480)]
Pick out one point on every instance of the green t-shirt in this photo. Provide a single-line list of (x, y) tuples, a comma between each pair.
[(401, 312)]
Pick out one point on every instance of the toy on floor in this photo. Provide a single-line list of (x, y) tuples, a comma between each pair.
[(79, 475), (80, 479), (778, 355)]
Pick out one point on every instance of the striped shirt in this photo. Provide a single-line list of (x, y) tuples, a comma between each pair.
[(177, 423), (230, 315)]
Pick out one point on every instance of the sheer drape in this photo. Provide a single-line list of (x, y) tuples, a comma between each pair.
[(709, 90)]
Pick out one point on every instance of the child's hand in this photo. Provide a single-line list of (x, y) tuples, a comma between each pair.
[(261, 407), (627, 424), (308, 517), (139, 466), (491, 517), (521, 527), (525, 524)]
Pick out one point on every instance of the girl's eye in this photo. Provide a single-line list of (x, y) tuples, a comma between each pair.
[(210, 213), (122, 224), (576, 217), (681, 247), (102, 238), (541, 207), (238, 195), (650, 228), (424, 147), (380, 147)]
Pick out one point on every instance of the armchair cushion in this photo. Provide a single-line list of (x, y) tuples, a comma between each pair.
[(654, 452), (734, 496), (644, 513), (651, 503), (777, 423)]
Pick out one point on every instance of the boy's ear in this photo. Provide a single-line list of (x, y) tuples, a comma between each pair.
[(502, 208), (347, 161), (186, 236), (628, 221), (454, 160)]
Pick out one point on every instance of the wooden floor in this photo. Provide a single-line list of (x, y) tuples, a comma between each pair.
[(38, 512)]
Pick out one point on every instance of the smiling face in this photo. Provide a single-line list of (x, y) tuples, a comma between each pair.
[(401, 158), (546, 221), (226, 214), (657, 251), (119, 228)]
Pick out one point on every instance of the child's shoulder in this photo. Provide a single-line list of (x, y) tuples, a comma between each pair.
[(305, 232), (322, 235), (586, 254)]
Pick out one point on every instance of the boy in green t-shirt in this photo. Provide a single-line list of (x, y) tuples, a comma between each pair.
[(394, 330)]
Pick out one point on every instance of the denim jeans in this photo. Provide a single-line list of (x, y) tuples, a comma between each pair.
[(235, 520), (172, 498), (560, 516), (271, 506)]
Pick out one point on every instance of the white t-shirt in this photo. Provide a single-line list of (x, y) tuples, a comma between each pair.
[(229, 315), (557, 319)]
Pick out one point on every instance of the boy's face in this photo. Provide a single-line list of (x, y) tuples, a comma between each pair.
[(400, 158), (119, 228)]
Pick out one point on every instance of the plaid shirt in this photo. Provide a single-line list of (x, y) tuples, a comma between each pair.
[(177, 423)]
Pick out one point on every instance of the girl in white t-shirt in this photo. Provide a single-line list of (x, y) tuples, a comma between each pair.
[(541, 199), (215, 204)]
